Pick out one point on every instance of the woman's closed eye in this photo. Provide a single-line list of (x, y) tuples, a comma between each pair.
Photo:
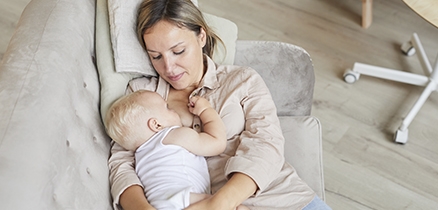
[(179, 52), (157, 57), (154, 55)]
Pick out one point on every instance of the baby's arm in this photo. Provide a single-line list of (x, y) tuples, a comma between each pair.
[(212, 141), (211, 121)]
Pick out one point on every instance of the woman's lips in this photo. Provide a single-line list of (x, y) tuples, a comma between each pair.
[(176, 77)]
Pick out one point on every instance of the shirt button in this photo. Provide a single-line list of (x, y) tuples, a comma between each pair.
[(197, 126)]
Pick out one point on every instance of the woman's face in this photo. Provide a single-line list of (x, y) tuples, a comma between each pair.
[(176, 54)]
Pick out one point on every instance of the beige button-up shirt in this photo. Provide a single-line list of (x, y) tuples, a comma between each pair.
[(255, 141)]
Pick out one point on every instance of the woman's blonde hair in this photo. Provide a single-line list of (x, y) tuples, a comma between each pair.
[(182, 13), (126, 120)]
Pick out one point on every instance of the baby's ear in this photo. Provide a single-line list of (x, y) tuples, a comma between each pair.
[(154, 125)]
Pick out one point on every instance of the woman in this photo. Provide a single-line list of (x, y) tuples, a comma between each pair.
[(252, 170)]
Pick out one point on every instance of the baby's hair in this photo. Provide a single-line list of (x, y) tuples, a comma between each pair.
[(126, 120)]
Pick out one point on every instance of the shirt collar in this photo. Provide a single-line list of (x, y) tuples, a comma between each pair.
[(210, 78)]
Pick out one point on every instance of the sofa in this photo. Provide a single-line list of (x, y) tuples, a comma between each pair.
[(53, 145)]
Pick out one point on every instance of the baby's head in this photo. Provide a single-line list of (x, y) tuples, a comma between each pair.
[(134, 118)]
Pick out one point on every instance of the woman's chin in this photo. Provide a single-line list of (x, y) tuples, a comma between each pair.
[(178, 85)]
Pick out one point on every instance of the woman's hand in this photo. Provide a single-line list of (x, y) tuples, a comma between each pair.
[(232, 194)]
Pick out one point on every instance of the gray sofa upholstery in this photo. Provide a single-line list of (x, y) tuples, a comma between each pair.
[(53, 146)]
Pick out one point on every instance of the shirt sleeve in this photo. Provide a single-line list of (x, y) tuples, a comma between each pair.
[(122, 172), (121, 162), (260, 154)]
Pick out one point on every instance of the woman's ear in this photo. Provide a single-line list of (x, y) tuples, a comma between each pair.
[(154, 125), (202, 37)]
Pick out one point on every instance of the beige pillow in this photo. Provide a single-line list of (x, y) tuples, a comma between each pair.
[(129, 56), (112, 84)]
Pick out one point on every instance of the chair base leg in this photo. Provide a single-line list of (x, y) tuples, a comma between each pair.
[(401, 136), (430, 81)]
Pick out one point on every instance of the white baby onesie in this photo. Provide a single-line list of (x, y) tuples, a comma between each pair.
[(169, 173)]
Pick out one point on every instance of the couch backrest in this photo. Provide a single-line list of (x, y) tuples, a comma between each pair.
[(53, 147)]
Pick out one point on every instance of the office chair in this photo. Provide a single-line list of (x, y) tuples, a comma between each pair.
[(427, 10)]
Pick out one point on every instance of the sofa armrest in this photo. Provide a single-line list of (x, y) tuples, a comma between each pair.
[(53, 147), (303, 149), (287, 70)]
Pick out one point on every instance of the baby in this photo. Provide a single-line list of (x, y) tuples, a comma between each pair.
[(169, 158)]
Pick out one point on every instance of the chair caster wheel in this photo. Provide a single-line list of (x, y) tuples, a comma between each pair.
[(408, 49), (401, 137), (351, 76)]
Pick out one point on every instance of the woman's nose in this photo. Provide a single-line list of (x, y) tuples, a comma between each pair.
[(168, 64)]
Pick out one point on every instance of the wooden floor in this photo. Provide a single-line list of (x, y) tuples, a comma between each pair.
[(364, 168)]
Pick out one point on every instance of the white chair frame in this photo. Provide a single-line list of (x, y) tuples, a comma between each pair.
[(429, 80)]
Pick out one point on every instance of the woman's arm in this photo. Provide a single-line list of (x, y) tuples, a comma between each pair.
[(259, 156), (232, 194), (260, 153), (123, 179)]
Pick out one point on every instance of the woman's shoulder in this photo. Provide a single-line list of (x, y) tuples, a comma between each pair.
[(233, 71), (238, 77)]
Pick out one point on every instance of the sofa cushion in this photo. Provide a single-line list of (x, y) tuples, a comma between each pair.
[(303, 149), (129, 55)]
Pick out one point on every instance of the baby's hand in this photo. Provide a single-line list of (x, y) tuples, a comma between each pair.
[(198, 104)]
